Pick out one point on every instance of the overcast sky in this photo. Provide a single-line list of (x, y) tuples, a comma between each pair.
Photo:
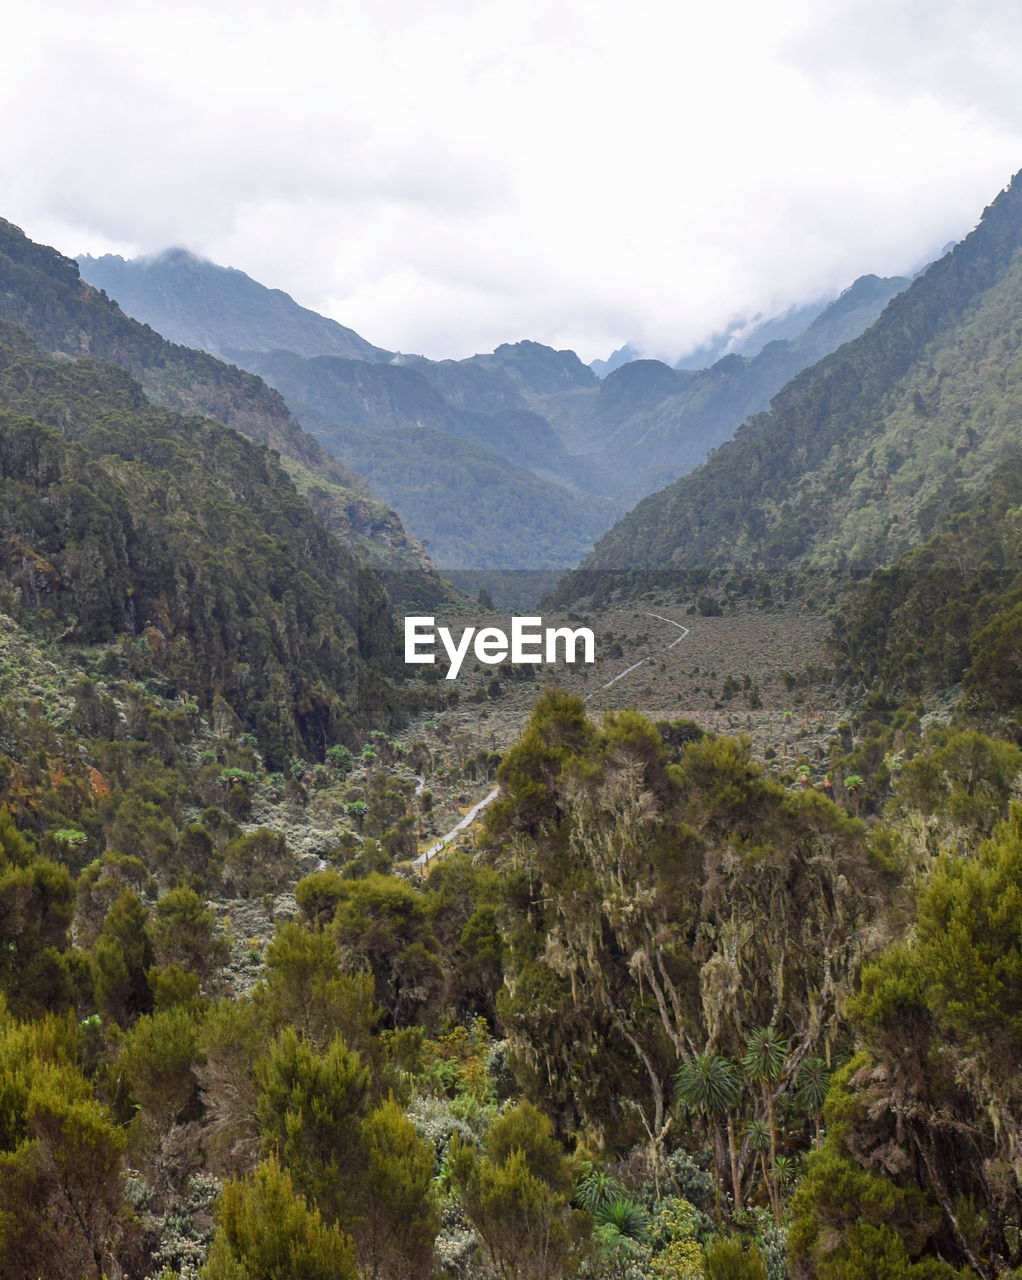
[(449, 175)]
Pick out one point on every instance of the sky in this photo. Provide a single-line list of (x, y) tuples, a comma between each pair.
[(447, 176)]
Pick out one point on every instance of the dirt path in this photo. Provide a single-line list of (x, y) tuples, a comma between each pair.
[(424, 858), (642, 661), (422, 861)]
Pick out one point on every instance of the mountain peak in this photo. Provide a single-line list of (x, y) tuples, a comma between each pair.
[(538, 368), (197, 303)]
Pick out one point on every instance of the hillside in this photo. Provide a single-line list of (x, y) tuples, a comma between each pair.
[(700, 960), (947, 615), (648, 424), (43, 292), (195, 303), (860, 455), (186, 547), (480, 509)]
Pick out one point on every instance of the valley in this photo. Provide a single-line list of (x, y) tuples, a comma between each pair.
[(715, 975)]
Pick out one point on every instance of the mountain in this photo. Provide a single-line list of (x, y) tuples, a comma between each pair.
[(483, 490), (43, 292), (539, 454), (946, 616), (861, 455), (745, 337), (623, 355), (196, 303), (742, 337), (421, 432), (188, 549)]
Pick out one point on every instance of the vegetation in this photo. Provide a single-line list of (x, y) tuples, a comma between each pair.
[(678, 1013), (188, 546)]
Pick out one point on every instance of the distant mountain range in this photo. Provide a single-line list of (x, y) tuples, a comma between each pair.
[(742, 337), (518, 459), (43, 293)]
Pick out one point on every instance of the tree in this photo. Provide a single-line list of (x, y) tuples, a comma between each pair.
[(310, 1108), (267, 1231), (400, 1219), (184, 933), (763, 1062), (710, 1085), (306, 988), (122, 958), (811, 1084), (158, 1056), (726, 1260), (61, 1209), (382, 924), (526, 1228), (36, 905)]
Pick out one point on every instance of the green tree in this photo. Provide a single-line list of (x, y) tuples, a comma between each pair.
[(710, 1085), (763, 1062), (159, 1055), (310, 1108), (61, 1209), (526, 1229), (121, 960), (400, 1218), (184, 934), (36, 905), (384, 925), (306, 988), (727, 1260), (267, 1231)]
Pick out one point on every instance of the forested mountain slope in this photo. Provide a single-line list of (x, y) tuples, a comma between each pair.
[(648, 424), (44, 293), (948, 613), (121, 520), (860, 455), (514, 482), (196, 303)]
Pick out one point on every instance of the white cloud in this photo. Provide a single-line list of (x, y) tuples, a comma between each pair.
[(443, 177)]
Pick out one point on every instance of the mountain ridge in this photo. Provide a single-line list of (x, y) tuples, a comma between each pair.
[(44, 292)]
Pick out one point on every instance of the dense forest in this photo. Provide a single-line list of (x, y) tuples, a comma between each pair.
[(42, 293), (677, 1015)]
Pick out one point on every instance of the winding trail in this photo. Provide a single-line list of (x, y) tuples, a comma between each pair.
[(438, 846), (636, 665)]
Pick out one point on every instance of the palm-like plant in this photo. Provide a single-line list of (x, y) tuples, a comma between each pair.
[(757, 1135), (626, 1216), (597, 1190), (811, 1085), (710, 1085), (763, 1062), (784, 1170)]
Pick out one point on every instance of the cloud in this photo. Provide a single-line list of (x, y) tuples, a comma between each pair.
[(443, 177), (965, 52)]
